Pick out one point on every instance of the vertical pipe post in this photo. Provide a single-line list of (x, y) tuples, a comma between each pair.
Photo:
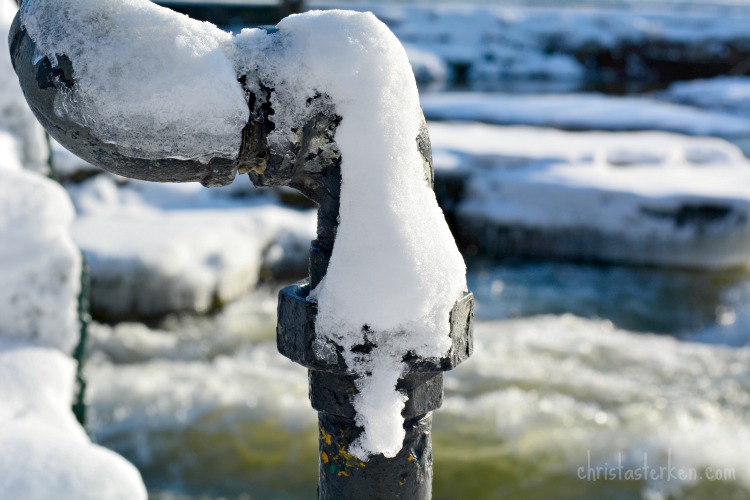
[(342, 475)]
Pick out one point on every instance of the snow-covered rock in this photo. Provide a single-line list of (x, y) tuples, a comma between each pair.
[(157, 248), (644, 198)]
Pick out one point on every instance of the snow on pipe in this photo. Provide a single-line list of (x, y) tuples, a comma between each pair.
[(326, 102)]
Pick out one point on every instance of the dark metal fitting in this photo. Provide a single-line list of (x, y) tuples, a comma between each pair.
[(332, 384), (296, 339)]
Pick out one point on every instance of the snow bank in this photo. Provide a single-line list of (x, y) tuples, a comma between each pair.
[(157, 248), (481, 44), (155, 82), (45, 452), (395, 272), (583, 112), (10, 155), (40, 275), (645, 198), (15, 115)]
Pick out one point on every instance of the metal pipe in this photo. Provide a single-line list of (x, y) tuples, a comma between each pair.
[(309, 161)]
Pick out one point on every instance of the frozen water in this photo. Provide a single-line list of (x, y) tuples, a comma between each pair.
[(157, 83)]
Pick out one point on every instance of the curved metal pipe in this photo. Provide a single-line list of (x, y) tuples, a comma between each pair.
[(310, 150), (41, 82)]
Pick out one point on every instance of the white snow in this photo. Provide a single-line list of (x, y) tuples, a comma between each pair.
[(15, 115), (10, 154), (156, 83), (626, 188), (46, 453), (395, 272), (40, 275), (728, 94), (160, 248), (583, 112)]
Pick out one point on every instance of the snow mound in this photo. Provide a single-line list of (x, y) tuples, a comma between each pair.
[(46, 453)]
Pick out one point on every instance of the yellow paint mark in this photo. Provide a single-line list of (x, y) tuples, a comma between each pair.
[(324, 457), (342, 473), (325, 436), (346, 454), (411, 457), (401, 483)]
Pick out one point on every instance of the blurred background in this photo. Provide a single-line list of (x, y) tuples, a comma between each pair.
[(590, 158)]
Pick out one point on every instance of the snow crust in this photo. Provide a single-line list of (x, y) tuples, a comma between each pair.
[(153, 81), (15, 115), (395, 272)]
